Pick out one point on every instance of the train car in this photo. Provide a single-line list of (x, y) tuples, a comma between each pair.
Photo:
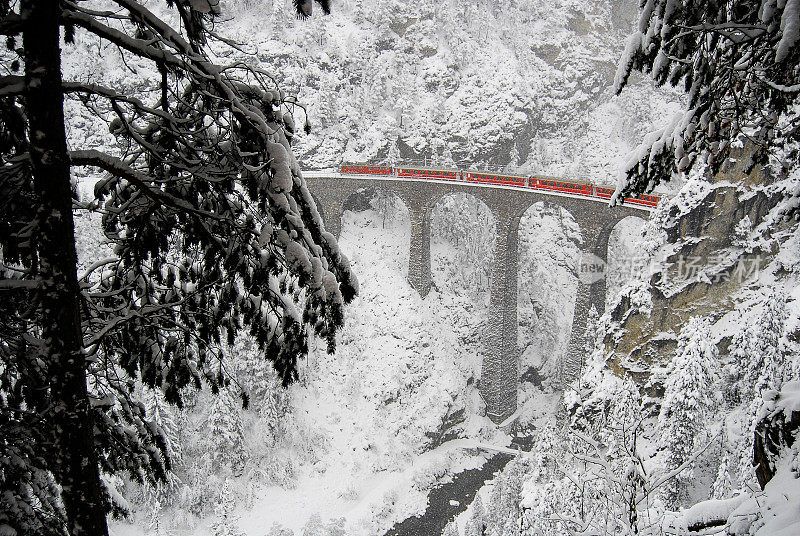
[(536, 182), (603, 193), (645, 200), (493, 178), (561, 185), (642, 200), (420, 173), (366, 169)]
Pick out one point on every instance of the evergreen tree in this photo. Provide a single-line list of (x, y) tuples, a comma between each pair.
[(758, 361), (723, 484), (505, 498), (225, 524), (336, 527), (510, 526), (226, 433), (314, 526), (155, 521), (278, 530), (264, 390), (687, 398), (757, 350), (476, 521), (214, 232), (162, 416), (739, 63)]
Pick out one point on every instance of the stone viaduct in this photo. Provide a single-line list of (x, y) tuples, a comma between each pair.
[(500, 374)]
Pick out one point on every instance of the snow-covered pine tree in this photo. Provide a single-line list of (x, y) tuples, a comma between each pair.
[(162, 416), (335, 527), (476, 521), (511, 526), (738, 61), (723, 484), (505, 497), (757, 355), (264, 390), (226, 522), (687, 398), (278, 530), (314, 526), (213, 227), (226, 433), (757, 350)]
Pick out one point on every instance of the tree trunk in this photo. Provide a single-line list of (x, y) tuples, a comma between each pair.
[(74, 459)]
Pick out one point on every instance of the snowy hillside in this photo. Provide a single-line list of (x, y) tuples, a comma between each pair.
[(521, 86)]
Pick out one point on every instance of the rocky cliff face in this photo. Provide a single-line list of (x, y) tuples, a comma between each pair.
[(708, 244), (523, 86)]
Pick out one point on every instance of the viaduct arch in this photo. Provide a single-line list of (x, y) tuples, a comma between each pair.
[(499, 375)]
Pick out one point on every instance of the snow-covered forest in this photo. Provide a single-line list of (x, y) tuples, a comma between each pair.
[(218, 364)]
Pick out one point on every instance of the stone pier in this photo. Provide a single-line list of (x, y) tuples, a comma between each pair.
[(500, 370)]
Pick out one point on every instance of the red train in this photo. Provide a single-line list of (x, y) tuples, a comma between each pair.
[(586, 189)]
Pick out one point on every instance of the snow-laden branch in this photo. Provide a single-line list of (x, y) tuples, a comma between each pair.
[(140, 47), (119, 169)]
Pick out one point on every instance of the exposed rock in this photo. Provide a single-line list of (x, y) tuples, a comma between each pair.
[(701, 272), (777, 429)]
